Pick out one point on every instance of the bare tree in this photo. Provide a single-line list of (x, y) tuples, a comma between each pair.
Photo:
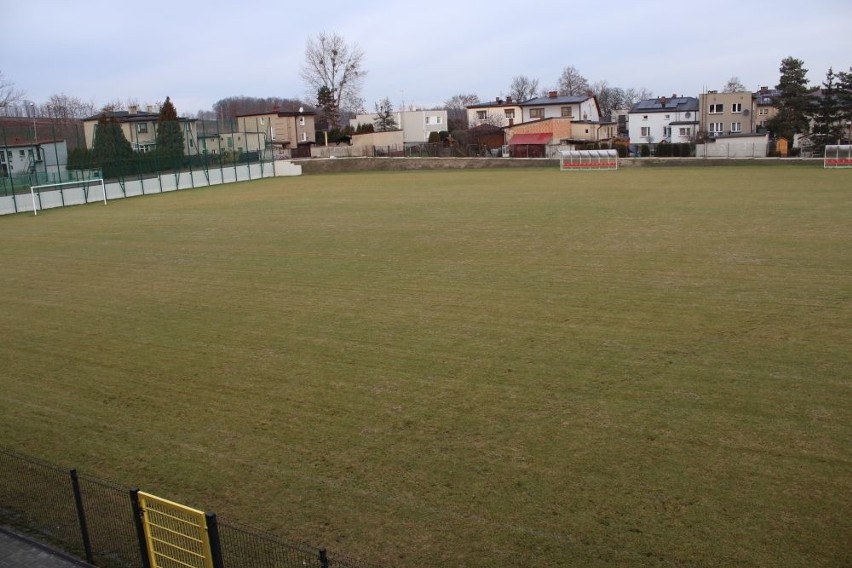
[(331, 63), (734, 85), (67, 108), (571, 83), (523, 88), (456, 107), (633, 96), (609, 98), (9, 95)]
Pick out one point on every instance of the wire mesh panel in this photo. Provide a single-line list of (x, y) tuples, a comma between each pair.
[(37, 498), (110, 524), (243, 547), (176, 534)]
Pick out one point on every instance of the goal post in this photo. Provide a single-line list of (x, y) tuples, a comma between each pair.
[(68, 193), (576, 160), (838, 156)]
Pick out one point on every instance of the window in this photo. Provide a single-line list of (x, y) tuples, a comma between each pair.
[(685, 131), (510, 114), (762, 124), (763, 111), (646, 131), (644, 117), (668, 117), (536, 113), (480, 114), (230, 142), (304, 136), (737, 107), (717, 108), (21, 154), (142, 128), (736, 127), (715, 127), (567, 112), (301, 121)]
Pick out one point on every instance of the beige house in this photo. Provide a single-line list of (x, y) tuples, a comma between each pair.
[(284, 131), (725, 114), (498, 113), (140, 129)]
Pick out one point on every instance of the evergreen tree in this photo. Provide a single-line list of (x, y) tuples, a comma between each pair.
[(384, 120), (844, 103), (113, 153), (827, 127), (794, 100), (169, 136)]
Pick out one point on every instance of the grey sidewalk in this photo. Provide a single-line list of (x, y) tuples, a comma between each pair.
[(17, 551)]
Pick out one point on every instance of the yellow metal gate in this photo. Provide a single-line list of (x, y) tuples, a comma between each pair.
[(176, 535)]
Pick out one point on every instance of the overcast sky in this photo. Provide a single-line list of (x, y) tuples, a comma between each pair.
[(421, 53)]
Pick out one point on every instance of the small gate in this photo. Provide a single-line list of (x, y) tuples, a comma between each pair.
[(177, 536)]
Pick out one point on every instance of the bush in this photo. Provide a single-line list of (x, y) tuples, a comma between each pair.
[(644, 150)]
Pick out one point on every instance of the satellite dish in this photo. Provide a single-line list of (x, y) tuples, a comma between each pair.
[(746, 112), (688, 114), (301, 109)]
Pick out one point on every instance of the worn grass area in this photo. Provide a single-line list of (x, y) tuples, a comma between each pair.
[(476, 368)]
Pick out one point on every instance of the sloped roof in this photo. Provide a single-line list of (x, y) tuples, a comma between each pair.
[(567, 100), (662, 104)]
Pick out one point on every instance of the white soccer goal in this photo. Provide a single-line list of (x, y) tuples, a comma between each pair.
[(77, 192), (838, 156), (573, 160)]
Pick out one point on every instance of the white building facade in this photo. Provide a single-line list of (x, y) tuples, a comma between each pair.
[(674, 120)]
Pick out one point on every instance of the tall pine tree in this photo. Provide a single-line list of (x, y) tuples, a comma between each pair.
[(794, 101), (112, 152), (844, 102), (169, 137), (827, 126)]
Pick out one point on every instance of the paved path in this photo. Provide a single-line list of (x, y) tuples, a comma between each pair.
[(20, 552)]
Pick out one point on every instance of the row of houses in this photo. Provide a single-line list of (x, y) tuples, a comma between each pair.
[(554, 121), (539, 126)]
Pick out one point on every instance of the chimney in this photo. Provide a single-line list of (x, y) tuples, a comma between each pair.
[(551, 95), (132, 109), (508, 99), (663, 102), (499, 101), (150, 108)]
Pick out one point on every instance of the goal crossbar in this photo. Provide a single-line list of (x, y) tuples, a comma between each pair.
[(85, 183)]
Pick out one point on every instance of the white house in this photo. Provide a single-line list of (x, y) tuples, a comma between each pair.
[(674, 120), (416, 125), (41, 157)]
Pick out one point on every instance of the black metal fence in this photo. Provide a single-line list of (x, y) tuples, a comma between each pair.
[(95, 521)]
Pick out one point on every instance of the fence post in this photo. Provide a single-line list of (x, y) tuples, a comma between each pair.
[(323, 558), (213, 536), (81, 516), (140, 530)]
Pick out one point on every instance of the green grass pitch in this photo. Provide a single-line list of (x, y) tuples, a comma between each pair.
[(461, 368)]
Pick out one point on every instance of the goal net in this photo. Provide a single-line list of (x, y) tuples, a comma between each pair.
[(573, 160), (50, 195), (838, 156)]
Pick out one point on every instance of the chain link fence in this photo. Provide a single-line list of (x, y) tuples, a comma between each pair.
[(94, 520)]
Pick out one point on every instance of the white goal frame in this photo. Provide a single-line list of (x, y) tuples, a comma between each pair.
[(577, 160), (83, 182), (837, 156)]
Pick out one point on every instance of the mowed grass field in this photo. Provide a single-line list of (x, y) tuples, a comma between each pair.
[(648, 367)]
